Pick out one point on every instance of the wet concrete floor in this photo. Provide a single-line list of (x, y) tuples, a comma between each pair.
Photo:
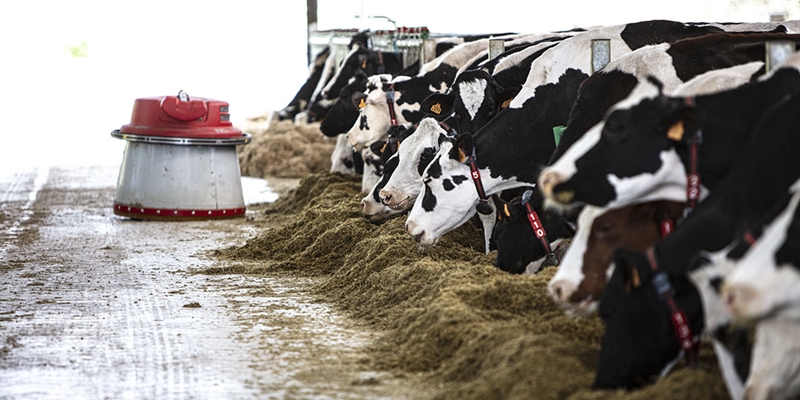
[(96, 306)]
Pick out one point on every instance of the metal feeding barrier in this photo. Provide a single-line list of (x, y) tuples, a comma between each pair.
[(413, 43)]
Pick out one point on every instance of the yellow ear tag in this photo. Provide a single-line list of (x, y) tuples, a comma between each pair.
[(636, 280), (506, 103), (384, 146), (505, 210), (362, 104), (675, 131), (436, 108)]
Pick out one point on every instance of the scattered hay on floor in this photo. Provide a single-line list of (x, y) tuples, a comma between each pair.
[(284, 149), (446, 311)]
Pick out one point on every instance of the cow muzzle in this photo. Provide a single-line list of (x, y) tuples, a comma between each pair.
[(420, 236)]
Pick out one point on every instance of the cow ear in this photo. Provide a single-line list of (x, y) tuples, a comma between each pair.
[(378, 147), (462, 148), (632, 265), (505, 96), (359, 100), (438, 105)]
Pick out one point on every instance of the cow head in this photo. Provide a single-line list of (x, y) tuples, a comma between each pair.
[(342, 114), (375, 115), (474, 99), (767, 277), (582, 275), (632, 156), (640, 343), (371, 205), (518, 248), (449, 194), (416, 152)]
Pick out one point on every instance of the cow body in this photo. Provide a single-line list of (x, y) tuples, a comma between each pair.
[(513, 147), (303, 96), (630, 302), (582, 274), (593, 170)]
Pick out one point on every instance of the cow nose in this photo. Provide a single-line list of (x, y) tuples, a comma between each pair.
[(547, 181), (561, 290), (385, 196)]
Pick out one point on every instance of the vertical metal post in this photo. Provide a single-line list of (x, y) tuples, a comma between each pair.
[(428, 51), (311, 25), (601, 53), (777, 51), (496, 47)]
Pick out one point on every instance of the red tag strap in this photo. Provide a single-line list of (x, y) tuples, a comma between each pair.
[(538, 228), (666, 227), (390, 104)]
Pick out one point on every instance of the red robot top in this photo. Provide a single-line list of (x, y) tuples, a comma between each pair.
[(181, 116)]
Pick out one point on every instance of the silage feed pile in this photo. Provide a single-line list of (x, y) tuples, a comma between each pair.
[(446, 311), (283, 149)]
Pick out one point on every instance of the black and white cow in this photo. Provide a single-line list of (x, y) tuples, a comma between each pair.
[(477, 95), (672, 63), (595, 171), (732, 341), (511, 149), (527, 237), (764, 287), (651, 309), (371, 205), (396, 101), (577, 284), (303, 96)]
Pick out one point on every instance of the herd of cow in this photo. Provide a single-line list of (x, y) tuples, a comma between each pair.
[(674, 171)]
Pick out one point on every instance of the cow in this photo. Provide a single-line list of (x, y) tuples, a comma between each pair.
[(303, 96), (510, 150), (593, 170), (527, 240), (394, 101), (767, 277), (673, 63), (477, 95), (581, 277), (650, 307), (344, 160), (371, 205), (732, 343)]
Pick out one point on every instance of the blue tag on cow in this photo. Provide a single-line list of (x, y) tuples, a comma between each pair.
[(663, 286)]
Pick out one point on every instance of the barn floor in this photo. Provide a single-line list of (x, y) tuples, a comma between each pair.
[(96, 306)]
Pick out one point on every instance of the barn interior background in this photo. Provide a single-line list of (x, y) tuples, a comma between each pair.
[(70, 71)]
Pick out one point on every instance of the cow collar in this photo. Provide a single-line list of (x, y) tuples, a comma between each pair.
[(693, 177), (536, 224), (390, 104), (680, 324), (483, 206)]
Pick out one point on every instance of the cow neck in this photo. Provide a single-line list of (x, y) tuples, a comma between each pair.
[(390, 104), (483, 206), (680, 324), (538, 228)]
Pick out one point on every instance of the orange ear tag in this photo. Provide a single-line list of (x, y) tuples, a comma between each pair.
[(675, 131), (436, 108), (461, 156), (506, 103), (505, 210), (362, 104)]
